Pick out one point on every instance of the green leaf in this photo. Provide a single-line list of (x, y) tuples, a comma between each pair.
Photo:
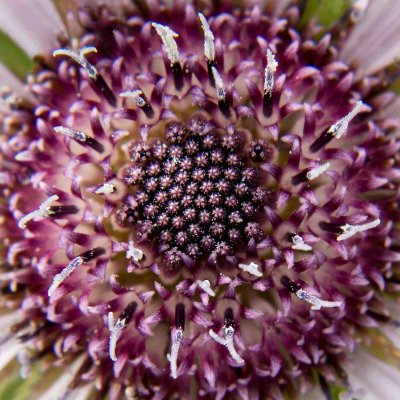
[(13, 57), (327, 12)]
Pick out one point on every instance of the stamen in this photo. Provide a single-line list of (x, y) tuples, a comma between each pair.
[(134, 252), (172, 357), (76, 262), (209, 50), (316, 302), (176, 338), (338, 129), (167, 36), (317, 171), (44, 211), (219, 84), (252, 269), (206, 286), (136, 95), (229, 332), (80, 58), (106, 188), (270, 70), (269, 82), (351, 230), (92, 72), (116, 329), (298, 244), (80, 137), (221, 94)]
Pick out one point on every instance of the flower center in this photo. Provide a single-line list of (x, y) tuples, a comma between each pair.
[(195, 196)]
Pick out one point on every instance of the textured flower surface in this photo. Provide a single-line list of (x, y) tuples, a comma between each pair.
[(198, 201)]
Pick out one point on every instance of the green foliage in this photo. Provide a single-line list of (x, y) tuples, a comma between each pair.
[(13, 57), (327, 12)]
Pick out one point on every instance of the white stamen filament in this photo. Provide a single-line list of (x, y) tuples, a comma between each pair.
[(209, 50), (316, 302), (172, 357), (351, 230), (134, 252), (167, 36), (43, 211), (339, 128), (227, 341), (317, 171), (80, 58), (219, 84), (136, 96), (298, 244), (67, 271), (106, 188), (77, 135), (252, 269), (115, 332), (270, 70), (206, 286)]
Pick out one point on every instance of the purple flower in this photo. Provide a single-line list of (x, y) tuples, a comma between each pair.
[(201, 201)]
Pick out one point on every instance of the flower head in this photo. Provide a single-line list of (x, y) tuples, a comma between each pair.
[(198, 203)]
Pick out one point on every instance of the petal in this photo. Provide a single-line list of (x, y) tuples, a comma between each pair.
[(377, 379), (34, 26), (374, 42)]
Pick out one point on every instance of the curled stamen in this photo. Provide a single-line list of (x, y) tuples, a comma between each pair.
[(92, 72), (229, 332), (80, 137), (206, 286), (316, 302), (116, 329), (106, 188), (338, 129), (176, 338), (298, 244), (80, 58), (209, 50), (136, 95), (76, 262), (350, 230), (134, 252), (44, 211), (252, 269)]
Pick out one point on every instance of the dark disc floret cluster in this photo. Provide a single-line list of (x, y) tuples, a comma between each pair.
[(196, 194)]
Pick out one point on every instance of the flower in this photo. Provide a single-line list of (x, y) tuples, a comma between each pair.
[(199, 202)]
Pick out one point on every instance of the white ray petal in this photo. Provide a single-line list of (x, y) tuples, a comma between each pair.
[(35, 27), (373, 43)]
